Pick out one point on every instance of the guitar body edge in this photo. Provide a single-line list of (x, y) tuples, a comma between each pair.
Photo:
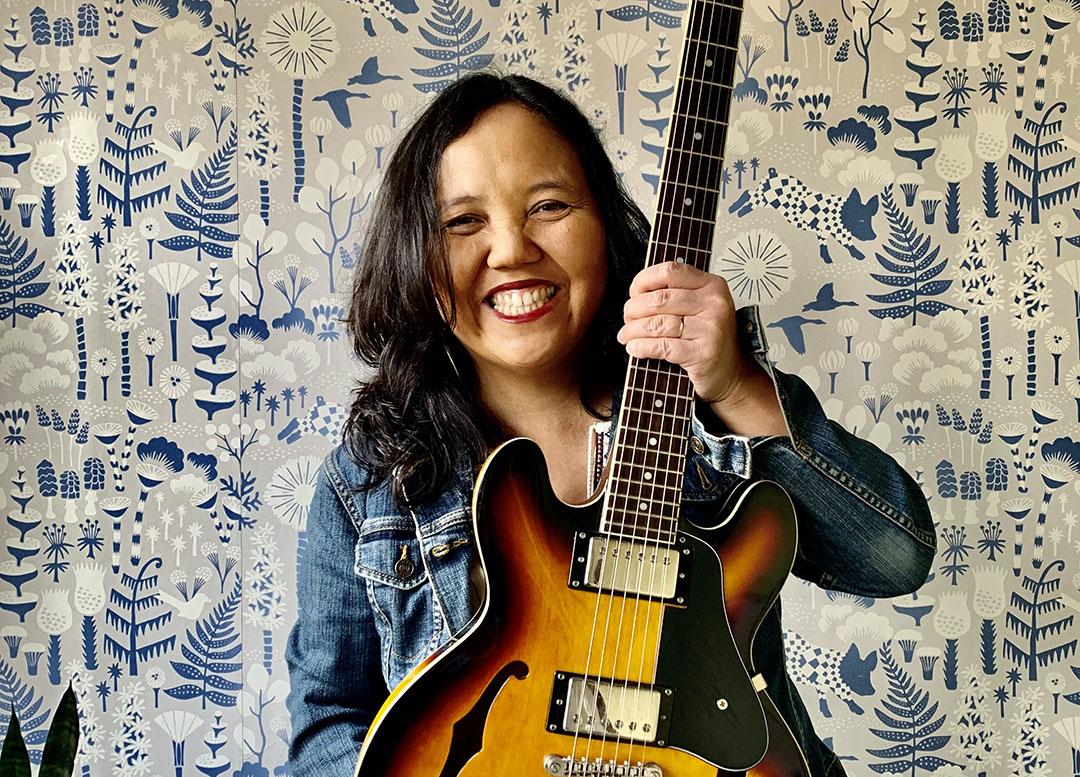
[(454, 714)]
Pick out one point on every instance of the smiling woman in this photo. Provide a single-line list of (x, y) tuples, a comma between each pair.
[(502, 288), (501, 185)]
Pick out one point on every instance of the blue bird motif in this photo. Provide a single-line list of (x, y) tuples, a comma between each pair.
[(369, 74), (338, 100), (792, 327), (826, 300)]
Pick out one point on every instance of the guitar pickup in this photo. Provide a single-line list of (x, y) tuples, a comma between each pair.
[(616, 565), (594, 706)]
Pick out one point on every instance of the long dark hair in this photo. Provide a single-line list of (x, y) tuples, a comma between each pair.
[(417, 416)]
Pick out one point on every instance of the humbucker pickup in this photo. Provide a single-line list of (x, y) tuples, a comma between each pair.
[(615, 565), (632, 711)]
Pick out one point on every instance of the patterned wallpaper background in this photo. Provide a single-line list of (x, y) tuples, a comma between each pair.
[(183, 189)]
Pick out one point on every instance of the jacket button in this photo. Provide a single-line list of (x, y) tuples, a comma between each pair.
[(696, 445), (404, 567)]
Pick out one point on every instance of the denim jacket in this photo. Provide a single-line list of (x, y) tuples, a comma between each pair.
[(379, 589)]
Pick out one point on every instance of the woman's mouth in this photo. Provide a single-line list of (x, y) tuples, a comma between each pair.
[(521, 303)]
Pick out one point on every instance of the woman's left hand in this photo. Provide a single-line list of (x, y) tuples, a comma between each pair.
[(687, 317)]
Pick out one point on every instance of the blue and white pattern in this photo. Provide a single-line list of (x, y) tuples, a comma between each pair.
[(184, 186)]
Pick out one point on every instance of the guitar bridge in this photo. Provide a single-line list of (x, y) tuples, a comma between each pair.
[(562, 766)]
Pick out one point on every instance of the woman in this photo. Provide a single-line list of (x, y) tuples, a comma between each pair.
[(500, 291)]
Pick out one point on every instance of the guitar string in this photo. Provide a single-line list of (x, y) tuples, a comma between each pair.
[(700, 17), (604, 559), (653, 552), (668, 373), (707, 22)]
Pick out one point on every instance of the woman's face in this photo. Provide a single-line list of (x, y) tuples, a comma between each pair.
[(525, 242)]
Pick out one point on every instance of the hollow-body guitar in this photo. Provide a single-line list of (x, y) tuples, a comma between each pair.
[(615, 637)]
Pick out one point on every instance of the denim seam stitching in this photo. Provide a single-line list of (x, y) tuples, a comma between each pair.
[(337, 482), (458, 515), (438, 614), (369, 587), (862, 493)]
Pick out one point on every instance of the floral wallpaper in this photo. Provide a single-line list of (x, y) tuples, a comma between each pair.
[(184, 186)]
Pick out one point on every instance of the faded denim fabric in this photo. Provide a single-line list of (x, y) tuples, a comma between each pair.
[(380, 588)]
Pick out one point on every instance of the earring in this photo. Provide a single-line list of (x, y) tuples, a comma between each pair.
[(450, 358)]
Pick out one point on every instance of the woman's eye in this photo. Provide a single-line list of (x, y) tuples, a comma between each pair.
[(460, 221), (552, 207)]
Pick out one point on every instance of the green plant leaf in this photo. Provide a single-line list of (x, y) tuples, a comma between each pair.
[(58, 757), (14, 760)]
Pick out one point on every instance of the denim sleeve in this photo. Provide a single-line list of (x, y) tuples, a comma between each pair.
[(864, 524), (333, 650)]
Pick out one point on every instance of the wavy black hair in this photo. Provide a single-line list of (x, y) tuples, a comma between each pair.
[(417, 415)]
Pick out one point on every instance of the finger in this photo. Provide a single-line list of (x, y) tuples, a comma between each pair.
[(653, 326), (676, 302), (669, 349), (668, 275)]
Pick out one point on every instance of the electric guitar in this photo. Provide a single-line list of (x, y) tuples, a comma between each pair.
[(614, 637)]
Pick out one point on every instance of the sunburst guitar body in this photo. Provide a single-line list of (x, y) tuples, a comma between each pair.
[(563, 672)]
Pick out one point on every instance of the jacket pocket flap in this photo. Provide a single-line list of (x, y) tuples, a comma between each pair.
[(391, 558)]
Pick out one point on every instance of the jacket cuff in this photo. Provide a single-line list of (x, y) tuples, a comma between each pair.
[(728, 453), (710, 441)]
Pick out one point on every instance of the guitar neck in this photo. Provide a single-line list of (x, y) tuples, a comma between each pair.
[(649, 451)]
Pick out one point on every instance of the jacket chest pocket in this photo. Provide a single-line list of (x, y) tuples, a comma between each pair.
[(400, 593)]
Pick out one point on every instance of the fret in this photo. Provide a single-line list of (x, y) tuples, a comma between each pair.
[(677, 416), (668, 371), (723, 5), (702, 42), (659, 366), (637, 491), (704, 98), (710, 222), (694, 201), (698, 132), (628, 487), (699, 118), (644, 404), (662, 536), (654, 469), (634, 503), (657, 531), (703, 154), (626, 430), (660, 251), (653, 458), (667, 537), (703, 82), (705, 189), (686, 232), (703, 171)]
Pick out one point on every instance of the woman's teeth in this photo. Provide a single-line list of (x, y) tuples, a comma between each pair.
[(519, 302)]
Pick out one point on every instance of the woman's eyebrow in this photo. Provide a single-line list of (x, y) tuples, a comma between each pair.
[(547, 183)]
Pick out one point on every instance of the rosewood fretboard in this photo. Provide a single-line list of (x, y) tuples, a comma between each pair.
[(648, 455)]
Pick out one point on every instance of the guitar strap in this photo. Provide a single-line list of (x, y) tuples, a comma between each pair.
[(599, 448)]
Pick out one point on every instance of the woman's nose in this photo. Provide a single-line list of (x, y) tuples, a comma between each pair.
[(511, 244)]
